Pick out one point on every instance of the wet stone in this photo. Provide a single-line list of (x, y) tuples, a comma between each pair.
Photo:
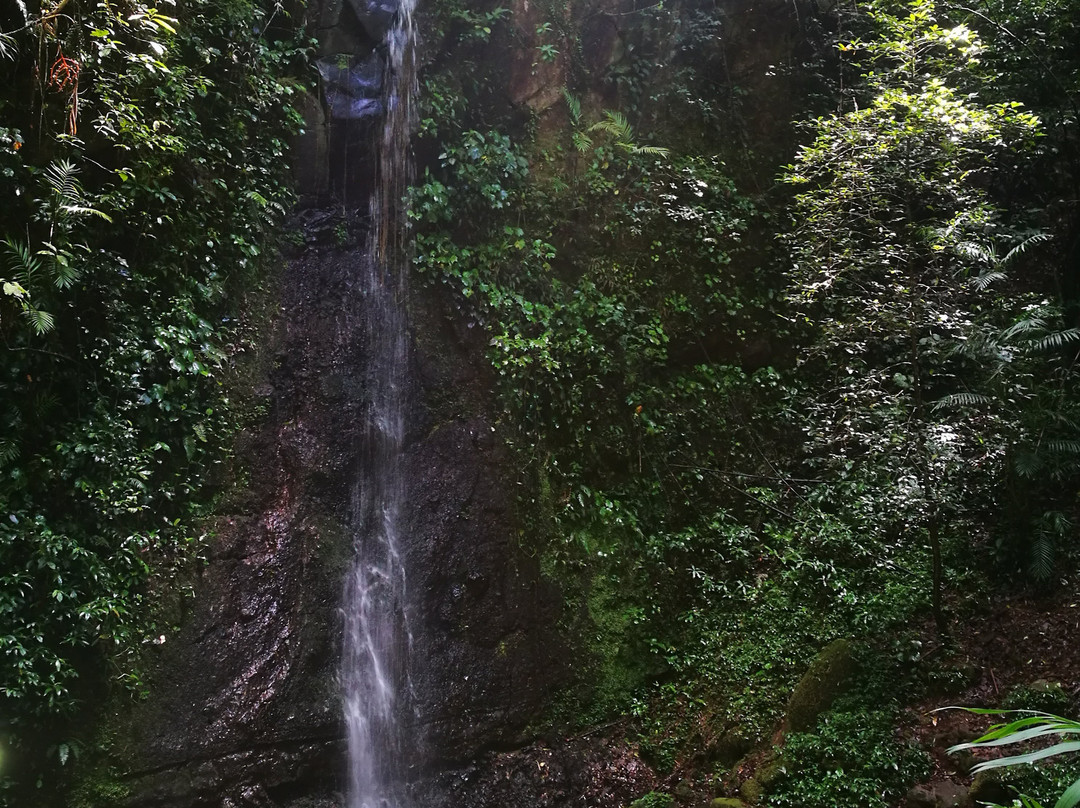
[(352, 85), (376, 16)]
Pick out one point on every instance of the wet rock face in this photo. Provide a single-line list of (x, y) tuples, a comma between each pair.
[(583, 772), (352, 85), (245, 708)]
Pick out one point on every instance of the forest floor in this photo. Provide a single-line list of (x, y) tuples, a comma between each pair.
[(1020, 646)]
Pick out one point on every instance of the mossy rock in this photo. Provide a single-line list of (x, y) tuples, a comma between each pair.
[(727, 802), (988, 787), (824, 680), (751, 790), (730, 747)]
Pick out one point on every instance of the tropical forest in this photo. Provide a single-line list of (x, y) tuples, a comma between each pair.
[(539, 403)]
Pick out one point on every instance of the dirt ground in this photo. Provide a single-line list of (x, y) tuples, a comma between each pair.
[(1018, 641)]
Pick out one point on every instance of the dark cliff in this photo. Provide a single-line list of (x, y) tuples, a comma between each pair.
[(244, 706)]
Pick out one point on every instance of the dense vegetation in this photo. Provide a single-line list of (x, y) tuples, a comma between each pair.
[(754, 419), (764, 393), (141, 167)]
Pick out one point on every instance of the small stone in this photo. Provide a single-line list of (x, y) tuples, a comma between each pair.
[(684, 791), (963, 761)]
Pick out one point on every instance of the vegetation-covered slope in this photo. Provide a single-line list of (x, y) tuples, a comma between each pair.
[(755, 416)]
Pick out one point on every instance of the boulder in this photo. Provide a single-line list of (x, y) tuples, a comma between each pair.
[(939, 794), (824, 680)]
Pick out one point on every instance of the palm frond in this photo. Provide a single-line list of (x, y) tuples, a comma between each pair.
[(40, 321), (61, 263), (615, 125), (573, 105), (961, 400), (1056, 339), (581, 141), (981, 282), (83, 210), (1041, 556), (1027, 464), (1021, 248), (654, 151), (982, 253), (9, 451), (1028, 325), (8, 49), (61, 177), (1030, 726), (24, 263)]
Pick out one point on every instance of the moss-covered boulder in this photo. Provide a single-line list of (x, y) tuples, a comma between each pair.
[(824, 680), (751, 790)]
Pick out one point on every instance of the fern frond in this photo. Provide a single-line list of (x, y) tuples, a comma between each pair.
[(1063, 446)]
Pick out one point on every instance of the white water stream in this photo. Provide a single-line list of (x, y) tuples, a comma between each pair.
[(375, 665)]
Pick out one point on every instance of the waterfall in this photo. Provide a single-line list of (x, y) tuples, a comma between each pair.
[(375, 674)]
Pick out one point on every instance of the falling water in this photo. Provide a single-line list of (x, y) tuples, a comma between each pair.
[(375, 673)]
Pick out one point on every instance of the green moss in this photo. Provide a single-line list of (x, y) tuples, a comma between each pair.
[(825, 679), (98, 788), (727, 802), (751, 790)]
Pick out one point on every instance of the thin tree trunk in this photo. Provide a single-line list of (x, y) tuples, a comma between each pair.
[(935, 595)]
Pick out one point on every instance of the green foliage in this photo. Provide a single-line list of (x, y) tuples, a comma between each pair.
[(1026, 727), (850, 760), (893, 251), (1041, 696), (654, 799), (133, 219), (713, 521)]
